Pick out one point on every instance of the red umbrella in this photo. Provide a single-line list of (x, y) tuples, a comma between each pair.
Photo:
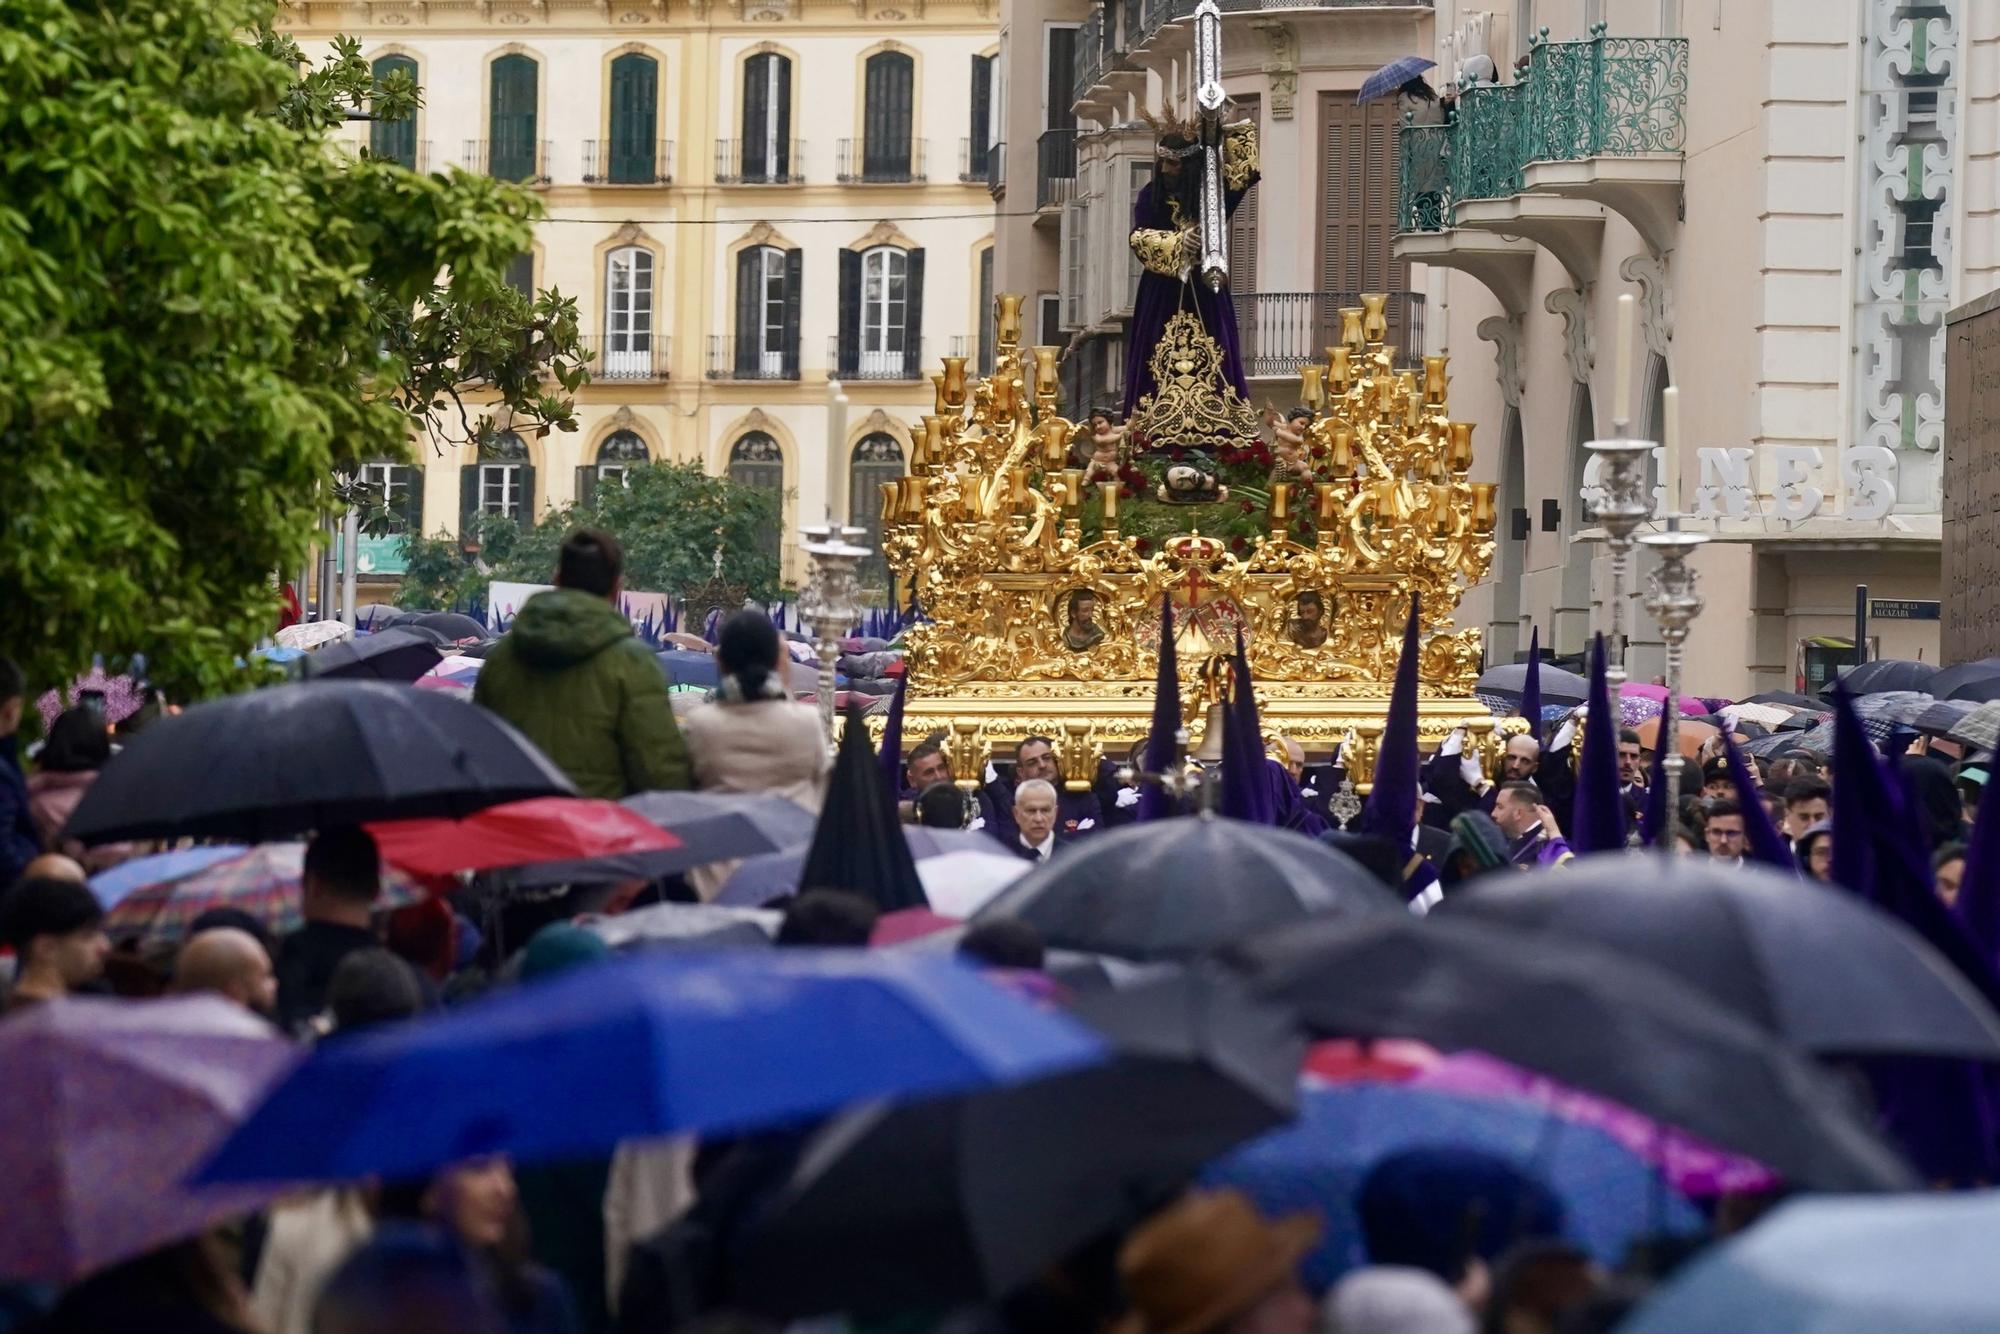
[(519, 833)]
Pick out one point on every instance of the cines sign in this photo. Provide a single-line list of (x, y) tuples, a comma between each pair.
[(1867, 483)]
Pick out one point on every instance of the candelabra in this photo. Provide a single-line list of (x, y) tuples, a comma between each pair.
[(1675, 600), (830, 601), (1622, 505), (1180, 779)]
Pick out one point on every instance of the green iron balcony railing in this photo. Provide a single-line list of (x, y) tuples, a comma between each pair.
[(1602, 97)]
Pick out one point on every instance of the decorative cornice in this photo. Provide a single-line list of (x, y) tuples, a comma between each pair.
[(1504, 332), (1579, 341), (1656, 299)]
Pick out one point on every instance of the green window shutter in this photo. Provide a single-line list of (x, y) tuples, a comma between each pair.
[(849, 358), (411, 509), (395, 140), (635, 121), (524, 498), (913, 315), (520, 274), (794, 285), (512, 121), (468, 498), (749, 311), (889, 92), (980, 132), (586, 486)]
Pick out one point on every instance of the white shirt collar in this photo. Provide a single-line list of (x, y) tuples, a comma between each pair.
[(1042, 849)]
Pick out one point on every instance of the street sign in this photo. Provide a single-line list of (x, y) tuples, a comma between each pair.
[(1904, 609)]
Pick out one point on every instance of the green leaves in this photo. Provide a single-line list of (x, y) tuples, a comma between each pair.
[(205, 311)]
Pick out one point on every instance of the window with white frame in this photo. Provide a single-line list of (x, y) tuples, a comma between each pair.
[(770, 276), (628, 314), (884, 310), (503, 475)]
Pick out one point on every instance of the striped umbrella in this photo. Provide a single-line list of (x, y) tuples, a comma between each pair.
[(264, 882)]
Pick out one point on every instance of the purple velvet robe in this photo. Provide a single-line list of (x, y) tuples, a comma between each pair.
[(1161, 297)]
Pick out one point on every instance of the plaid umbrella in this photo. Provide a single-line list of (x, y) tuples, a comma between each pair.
[(1385, 81), (1882, 712), (1979, 729), (264, 882), (1943, 715)]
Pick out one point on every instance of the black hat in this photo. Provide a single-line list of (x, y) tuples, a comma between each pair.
[(1717, 768)]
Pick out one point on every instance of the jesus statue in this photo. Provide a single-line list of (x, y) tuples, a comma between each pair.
[(1167, 240)]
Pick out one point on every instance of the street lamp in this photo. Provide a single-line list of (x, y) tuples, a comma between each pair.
[(831, 600), (1622, 504), (1675, 600)]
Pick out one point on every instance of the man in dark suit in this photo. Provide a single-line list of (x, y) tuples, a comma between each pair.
[(1036, 837), (1533, 842), (1035, 758)]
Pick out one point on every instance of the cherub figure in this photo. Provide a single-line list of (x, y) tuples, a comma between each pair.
[(1107, 448), (1291, 462)]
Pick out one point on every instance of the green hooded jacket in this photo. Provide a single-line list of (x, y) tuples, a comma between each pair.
[(572, 676)]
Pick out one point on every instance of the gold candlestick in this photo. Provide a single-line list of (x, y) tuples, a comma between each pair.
[(1461, 446), (1483, 513), (952, 383), (1008, 320), (1281, 504), (1045, 371), (914, 495), (1055, 442), (1339, 370), (1434, 379), (1350, 328), (1072, 488), (1326, 507), (1018, 477), (1109, 492), (1374, 323), (939, 403), (1312, 387), (934, 446), (1343, 450)]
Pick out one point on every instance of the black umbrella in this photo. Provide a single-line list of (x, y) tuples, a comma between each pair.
[(1558, 686), (453, 625), (1173, 889), (386, 655), (1824, 971), (479, 650), (1588, 1016), (963, 1199), (276, 763), (1872, 678), (1802, 722), (1975, 681), (858, 844), (1785, 698)]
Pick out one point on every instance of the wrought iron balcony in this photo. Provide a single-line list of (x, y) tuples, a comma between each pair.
[(639, 355), (745, 357), (648, 162), (524, 160), (852, 361), (1087, 64), (996, 170), (1604, 97), (415, 155), (1279, 332), (975, 162), (1055, 168), (760, 163), (858, 162)]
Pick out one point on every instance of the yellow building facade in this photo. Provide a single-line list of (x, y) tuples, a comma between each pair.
[(762, 207)]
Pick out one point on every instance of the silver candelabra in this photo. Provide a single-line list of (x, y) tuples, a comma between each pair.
[(1674, 598), (1622, 504), (831, 600)]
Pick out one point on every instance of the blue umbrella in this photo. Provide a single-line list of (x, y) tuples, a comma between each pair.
[(113, 885), (684, 667), (1843, 1266), (767, 876), (1385, 81), (660, 1044), (1610, 1197)]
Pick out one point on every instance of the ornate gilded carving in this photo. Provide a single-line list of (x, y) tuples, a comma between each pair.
[(996, 535)]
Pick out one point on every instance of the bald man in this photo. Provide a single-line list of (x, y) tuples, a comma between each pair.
[(231, 963), (55, 866)]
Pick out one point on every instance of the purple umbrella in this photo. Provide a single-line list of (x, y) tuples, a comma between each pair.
[(108, 1106)]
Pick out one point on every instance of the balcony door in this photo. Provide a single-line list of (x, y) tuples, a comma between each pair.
[(767, 117), (889, 97), (884, 311), (513, 119), (767, 313), (635, 119), (1357, 209), (628, 314)]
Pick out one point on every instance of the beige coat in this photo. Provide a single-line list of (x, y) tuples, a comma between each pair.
[(764, 745)]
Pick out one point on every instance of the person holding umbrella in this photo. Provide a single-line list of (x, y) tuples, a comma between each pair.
[(572, 675), (343, 875)]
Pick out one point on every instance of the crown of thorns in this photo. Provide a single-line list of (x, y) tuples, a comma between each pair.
[(1173, 137)]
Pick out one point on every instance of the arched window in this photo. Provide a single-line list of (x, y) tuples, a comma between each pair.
[(501, 482), (767, 313), (513, 119), (877, 459), (635, 120), (395, 140), (620, 452), (756, 461), (628, 315), (889, 91), (767, 118)]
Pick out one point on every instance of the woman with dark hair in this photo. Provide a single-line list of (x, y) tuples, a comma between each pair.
[(1940, 811), (752, 736), (78, 746), (476, 1204)]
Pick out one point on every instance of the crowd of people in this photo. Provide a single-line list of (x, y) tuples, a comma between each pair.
[(636, 1240)]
